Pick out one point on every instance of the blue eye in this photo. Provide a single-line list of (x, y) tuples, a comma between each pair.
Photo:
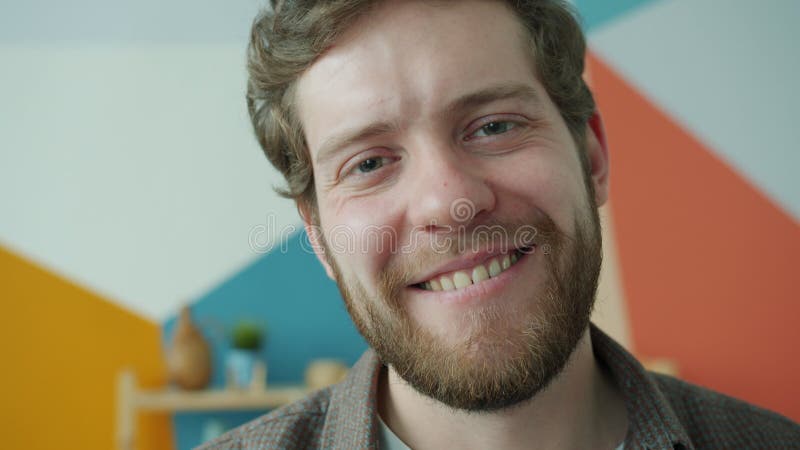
[(494, 128), (370, 164)]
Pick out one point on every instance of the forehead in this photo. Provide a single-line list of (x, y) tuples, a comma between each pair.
[(405, 59)]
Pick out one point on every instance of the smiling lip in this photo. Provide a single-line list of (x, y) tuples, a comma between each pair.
[(465, 262), (472, 269), (477, 293)]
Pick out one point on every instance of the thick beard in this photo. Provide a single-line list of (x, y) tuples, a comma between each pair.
[(495, 367)]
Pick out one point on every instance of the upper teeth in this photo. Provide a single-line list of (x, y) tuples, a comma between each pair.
[(463, 278)]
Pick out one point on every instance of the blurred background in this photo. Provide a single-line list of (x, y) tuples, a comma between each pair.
[(131, 186)]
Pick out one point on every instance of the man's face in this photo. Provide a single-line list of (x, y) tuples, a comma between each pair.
[(452, 205)]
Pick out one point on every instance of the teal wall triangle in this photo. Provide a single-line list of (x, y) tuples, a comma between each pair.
[(288, 291), (596, 13)]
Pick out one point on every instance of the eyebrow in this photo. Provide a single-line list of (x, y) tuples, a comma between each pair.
[(333, 144), (492, 94)]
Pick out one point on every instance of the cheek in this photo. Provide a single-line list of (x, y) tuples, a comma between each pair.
[(362, 235), (550, 183)]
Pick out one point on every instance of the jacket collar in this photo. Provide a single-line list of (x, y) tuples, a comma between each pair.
[(652, 423), (352, 417)]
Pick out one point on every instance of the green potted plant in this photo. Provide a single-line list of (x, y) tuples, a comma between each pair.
[(247, 339)]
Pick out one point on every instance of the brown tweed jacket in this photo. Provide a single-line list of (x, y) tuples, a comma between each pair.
[(663, 413)]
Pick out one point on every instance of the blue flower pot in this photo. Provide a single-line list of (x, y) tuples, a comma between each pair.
[(240, 367)]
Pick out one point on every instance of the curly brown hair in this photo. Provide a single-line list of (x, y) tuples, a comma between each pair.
[(286, 39)]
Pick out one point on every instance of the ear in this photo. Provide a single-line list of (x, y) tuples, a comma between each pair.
[(597, 150), (314, 233)]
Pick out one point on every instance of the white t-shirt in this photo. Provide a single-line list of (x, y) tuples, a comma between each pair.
[(389, 441)]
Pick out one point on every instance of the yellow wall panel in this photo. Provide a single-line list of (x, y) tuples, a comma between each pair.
[(62, 348)]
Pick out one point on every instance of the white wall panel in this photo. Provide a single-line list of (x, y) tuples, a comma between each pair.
[(132, 169)]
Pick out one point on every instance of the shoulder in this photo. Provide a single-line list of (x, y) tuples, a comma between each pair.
[(297, 426), (715, 420), (340, 416)]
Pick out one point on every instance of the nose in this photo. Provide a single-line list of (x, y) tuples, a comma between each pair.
[(450, 190)]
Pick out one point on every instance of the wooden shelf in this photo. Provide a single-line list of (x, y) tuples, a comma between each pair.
[(131, 400), (217, 400)]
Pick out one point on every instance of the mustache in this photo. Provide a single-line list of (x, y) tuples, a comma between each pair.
[(538, 230)]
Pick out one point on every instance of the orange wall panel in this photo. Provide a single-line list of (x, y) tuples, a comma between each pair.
[(708, 262)]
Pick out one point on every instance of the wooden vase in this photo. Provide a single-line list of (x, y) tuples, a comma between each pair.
[(189, 356)]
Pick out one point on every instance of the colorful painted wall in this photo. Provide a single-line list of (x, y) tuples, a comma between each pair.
[(130, 185)]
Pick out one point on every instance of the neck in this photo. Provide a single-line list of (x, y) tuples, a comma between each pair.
[(581, 408)]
